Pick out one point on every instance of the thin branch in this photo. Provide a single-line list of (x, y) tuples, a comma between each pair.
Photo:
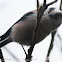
[(52, 2), (24, 50), (51, 45), (37, 5), (52, 40), (1, 56), (39, 16), (61, 5), (44, 2), (29, 57)]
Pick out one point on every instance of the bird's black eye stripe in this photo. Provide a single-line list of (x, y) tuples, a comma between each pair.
[(56, 15), (51, 9)]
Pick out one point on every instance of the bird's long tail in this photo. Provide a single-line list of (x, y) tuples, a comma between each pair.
[(5, 38)]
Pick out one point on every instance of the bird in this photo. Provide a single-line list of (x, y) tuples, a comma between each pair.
[(22, 31)]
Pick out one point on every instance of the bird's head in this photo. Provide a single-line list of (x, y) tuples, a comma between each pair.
[(55, 13)]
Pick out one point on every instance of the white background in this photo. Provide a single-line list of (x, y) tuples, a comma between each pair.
[(10, 12)]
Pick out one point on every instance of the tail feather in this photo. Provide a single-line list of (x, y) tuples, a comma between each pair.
[(9, 31), (5, 41), (5, 35), (5, 38)]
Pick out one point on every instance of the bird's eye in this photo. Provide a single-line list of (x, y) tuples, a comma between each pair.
[(48, 11)]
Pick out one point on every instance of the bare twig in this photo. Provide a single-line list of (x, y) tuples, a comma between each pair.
[(61, 5), (44, 2), (51, 45), (52, 2), (1, 56), (52, 40), (47, 59), (38, 5), (39, 16), (24, 50)]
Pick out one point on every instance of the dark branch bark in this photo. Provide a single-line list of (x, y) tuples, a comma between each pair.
[(24, 50), (1, 56), (52, 40), (37, 5), (39, 16), (52, 2), (44, 2), (51, 45), (61, 5)]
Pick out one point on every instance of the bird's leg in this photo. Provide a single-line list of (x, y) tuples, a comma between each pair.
[(51, 45)]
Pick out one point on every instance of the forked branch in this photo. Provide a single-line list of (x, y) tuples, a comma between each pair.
[(39, 16)]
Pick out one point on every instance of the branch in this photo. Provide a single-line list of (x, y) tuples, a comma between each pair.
[(51, 45), (44, 2), (1, 56), (41, 11), (39, 16), (52, 2), (37, 5), (52, 40)]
